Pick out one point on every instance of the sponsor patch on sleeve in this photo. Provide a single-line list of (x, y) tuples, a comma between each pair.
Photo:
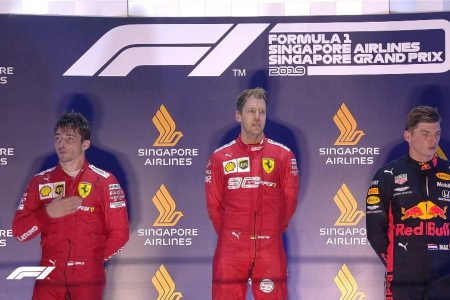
[(22, 201), (99, 171), (114, 186), (117, 204), (373, 191), (373, 200)]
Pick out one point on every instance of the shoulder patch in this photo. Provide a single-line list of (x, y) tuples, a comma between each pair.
[(99, 171), (225, 146), (45, 171), (278, 144)]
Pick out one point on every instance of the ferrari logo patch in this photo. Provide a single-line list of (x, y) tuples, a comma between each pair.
[(84, 188), (268, 164)]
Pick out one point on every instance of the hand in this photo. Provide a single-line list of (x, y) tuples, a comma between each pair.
[(61, 207)]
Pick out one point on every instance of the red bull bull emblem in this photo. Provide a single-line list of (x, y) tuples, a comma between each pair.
[(424, 166), (424, 210)]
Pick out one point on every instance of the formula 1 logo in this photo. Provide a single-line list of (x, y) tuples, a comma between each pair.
[(347, 125), (347, 285), (348, 206), (211, 47), (166, 126), (37, 272), (165, 286), (168, 216)]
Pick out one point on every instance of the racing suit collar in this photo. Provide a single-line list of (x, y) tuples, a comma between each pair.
[(423, 167), (252, 148)]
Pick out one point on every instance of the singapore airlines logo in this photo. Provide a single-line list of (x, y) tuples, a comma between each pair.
[(440, 153), (212, 48), (347, 285), (348, 206), (166, 126), (168, 216), (347, 125), (164, 285)]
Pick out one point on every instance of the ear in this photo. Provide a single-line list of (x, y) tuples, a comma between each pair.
[(238, 116), (85, 144), (407, 136)]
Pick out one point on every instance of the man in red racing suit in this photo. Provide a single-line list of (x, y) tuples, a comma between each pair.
[(407, 215), (251, 191), (80, 212)]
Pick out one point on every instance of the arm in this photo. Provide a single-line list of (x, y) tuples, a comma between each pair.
[(213, 190), (31, 216), (377, 221), (116, 217), (290, 186)]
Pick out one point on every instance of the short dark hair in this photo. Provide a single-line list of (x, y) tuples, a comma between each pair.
[(75, 121), (258, 93), (422, 114)]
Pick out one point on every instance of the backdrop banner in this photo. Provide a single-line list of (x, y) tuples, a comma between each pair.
[(160, 95)]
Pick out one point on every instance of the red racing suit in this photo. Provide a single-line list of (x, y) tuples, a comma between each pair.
[(408, 227), (251, 194), (77, 245)]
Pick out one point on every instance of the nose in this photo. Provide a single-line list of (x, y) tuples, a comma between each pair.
[(433, 139), (60, 143)]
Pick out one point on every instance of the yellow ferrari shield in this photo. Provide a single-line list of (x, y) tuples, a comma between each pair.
[(84, 188), (268, 164)]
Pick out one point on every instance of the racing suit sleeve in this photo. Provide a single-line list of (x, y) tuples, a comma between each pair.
[(31, 217), (377, 220), (290, 186), (213, 190), (116, 217)]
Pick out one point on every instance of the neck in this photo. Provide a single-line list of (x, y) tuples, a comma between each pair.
[(72, 168), (421, 159)]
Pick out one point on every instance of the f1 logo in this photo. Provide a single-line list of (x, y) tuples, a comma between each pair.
[(38, 272), (211, 47)]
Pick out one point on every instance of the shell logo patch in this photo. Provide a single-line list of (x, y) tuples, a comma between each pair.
[(45, 191), (230, 167)]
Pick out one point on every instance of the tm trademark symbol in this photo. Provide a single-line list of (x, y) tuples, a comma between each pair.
[(239, 72)]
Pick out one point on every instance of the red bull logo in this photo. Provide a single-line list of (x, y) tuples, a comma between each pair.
[(424, 210), (425, 166), (423, 229)]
